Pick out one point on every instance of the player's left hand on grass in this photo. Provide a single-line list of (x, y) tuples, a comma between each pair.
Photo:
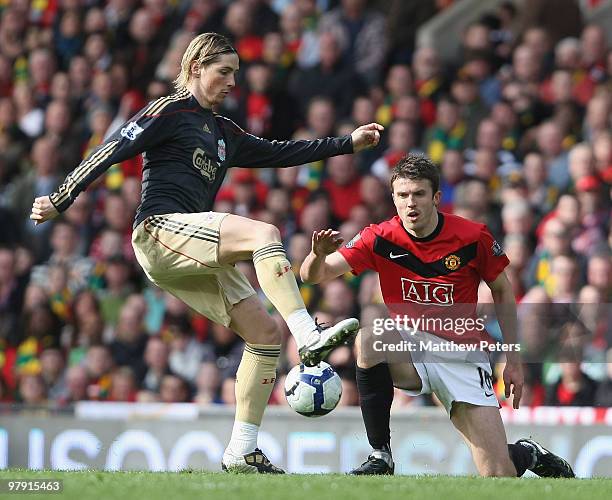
[(43, 210), (366, 136), (326, 242), (513, 382)]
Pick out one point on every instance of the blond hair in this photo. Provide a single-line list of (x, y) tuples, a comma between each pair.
[(206, 49)]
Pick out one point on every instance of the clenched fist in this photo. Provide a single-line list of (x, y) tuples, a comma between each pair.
[(366, 136), (43, 210)]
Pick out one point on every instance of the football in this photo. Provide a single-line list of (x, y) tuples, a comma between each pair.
[(313, 391)]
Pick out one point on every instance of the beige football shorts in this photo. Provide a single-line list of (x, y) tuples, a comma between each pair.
[(180, 254)]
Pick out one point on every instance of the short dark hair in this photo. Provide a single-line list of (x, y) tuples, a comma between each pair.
[(417, 167)]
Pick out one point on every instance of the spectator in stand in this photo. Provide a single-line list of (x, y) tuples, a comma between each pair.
[(79, 215), (452, 173), (555, 241), (266, 112), (76, 385), (203, 16), (156, 364), (88, 328), (41, 66), (130, 340), (320, 120), (550, 146), (79, 76), (362, 36), (374, 197), (239, 25), (52, 366), (173, 389), (429, 82), (186, 353), (575, 388), (97, 51), (58, 126), (117, 288), (517, 218), (593, 49), (98, 365), (31, 390), (489, 138), (264, 17), (39, 177), (338, 300), (68, 38), (448, 131), (342, 185), (594, 214), (117, 218), (404, 19), (332, 77), (123, 385), (398, 84), (402, 140), (29, 116), (144, 46), (207, 385), (64, 253), (224, 349), (599, 274), (12, 33), (471, 108), (517, 248), (541, 194), (563, 281)]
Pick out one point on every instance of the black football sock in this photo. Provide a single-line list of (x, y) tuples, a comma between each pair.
[(375, 397), (522, 457)]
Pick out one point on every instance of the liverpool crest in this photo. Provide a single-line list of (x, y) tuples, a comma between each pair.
[(221, 149)]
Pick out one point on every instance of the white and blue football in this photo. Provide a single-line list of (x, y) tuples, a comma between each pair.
[(313, 391)]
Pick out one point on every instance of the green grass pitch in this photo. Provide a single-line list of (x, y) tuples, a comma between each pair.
[(175, 486)]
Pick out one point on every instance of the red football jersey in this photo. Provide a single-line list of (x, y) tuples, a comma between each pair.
[(435, 278)]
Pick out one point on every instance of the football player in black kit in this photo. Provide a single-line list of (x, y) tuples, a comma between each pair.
[(190, 251)]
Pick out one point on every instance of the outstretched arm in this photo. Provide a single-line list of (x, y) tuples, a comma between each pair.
[(253, 151), (324, 263), (505, 309), (141, 132)]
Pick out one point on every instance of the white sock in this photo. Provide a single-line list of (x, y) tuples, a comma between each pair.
[(301, 325), (244, 438)]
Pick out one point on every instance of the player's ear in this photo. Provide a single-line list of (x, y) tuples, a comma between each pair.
[(195, 68), (436, 198)]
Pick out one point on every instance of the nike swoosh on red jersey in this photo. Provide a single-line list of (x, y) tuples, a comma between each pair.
[(392, 256)]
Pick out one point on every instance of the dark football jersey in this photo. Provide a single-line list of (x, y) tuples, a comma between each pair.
[(187, 151), (435, 278)]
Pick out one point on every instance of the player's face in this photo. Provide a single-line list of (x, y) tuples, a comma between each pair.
[(217, 79), (416, 205)]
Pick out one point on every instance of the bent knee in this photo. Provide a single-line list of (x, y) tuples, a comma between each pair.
[(268, 334), (266, 233)]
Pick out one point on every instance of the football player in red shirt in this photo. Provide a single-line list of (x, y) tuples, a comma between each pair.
[(430, 266)]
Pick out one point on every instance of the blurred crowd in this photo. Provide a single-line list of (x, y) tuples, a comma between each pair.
[(519, 123)]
